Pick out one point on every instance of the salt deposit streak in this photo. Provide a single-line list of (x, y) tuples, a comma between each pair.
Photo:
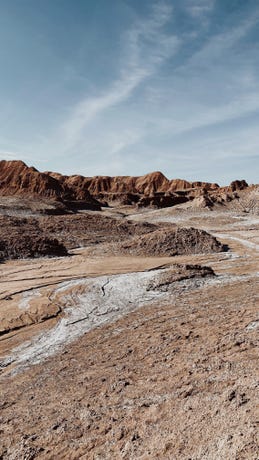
[(24, 303), (90, 303), (93, 302)]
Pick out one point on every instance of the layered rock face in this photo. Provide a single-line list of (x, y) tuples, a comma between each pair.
[(16, 178), (147, 185), (153, 190), (79, 192)]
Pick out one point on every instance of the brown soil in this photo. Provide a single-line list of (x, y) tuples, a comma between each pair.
[(160, 383), (174, 379)]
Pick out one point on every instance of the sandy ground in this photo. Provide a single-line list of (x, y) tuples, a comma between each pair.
[(96, 366)]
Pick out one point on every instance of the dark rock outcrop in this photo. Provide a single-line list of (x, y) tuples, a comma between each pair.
[(27, 247), (238, 185), (179, 272), (24, 238)]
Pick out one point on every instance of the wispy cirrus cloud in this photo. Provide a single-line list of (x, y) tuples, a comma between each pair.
[(199, 8), (216, 84), (174, 81), (218, 45), (8, 155), (147, 46), (209, 89)]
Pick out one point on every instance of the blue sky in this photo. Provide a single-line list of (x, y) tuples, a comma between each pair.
[(101, 87)]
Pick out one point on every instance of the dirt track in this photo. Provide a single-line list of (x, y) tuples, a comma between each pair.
[(175, 379)]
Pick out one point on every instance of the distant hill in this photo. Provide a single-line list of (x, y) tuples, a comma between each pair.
[(76, 191)]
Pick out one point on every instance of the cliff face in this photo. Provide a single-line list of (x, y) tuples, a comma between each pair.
[(153, 189), (16, 178), (148, 184)]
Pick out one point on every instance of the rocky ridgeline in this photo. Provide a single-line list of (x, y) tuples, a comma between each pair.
[(17, 179), (79, 192)]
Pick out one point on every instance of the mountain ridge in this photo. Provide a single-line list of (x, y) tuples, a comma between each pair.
[(152, 189)]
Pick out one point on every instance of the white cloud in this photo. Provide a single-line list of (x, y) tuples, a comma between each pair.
[(220, 44), (199, 8), (210, 89), (196, 116), (216, 84), (147, 47), (173, 118)]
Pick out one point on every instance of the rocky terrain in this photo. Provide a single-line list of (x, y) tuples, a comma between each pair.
[(138, 338), (21, 236), (24, 238), (76, 192), (173, 242), (54, 236)]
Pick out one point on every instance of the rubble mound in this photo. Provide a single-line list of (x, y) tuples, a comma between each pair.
[(51, 235), (28, 247), (81, 230), (23, 206), (23, 238), (172, 242), (179, 272)]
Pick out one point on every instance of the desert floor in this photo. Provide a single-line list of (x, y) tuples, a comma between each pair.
[(96, 364)]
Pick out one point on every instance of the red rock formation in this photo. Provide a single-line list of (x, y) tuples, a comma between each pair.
[(16, 178), (179, 184), (152, 183), (152, 189)]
